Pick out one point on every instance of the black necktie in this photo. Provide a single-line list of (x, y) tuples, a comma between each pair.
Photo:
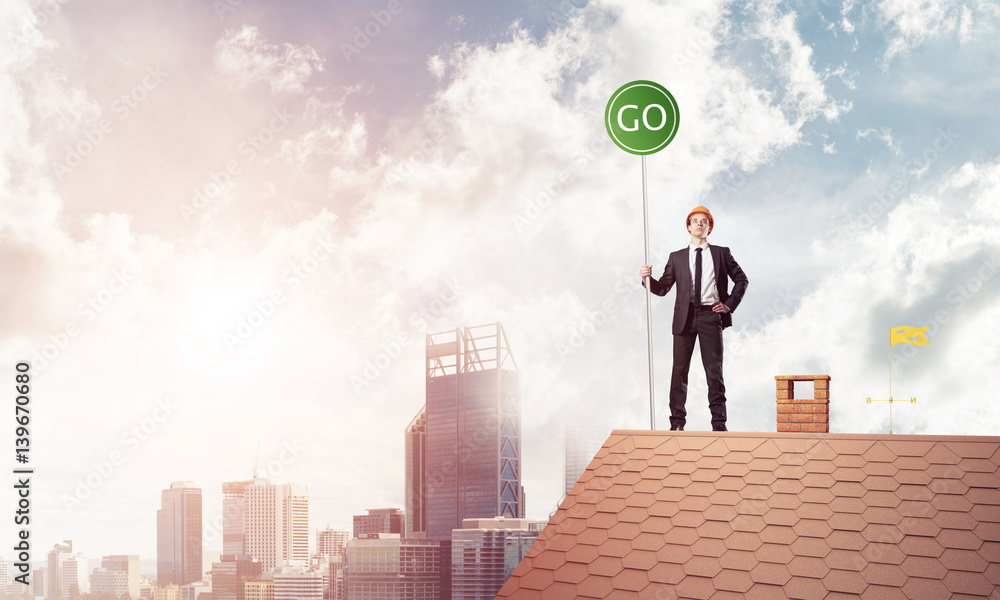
[(697, 276)]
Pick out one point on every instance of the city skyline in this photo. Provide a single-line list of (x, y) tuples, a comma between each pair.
[(232, 224)]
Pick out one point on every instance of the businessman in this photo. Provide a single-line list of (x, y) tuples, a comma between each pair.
[(702, 309)]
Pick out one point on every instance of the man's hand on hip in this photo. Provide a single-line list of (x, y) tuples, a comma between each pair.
[(720, 308)]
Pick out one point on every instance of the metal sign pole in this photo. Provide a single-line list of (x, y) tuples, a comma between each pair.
[(649, 301), (650, 103)]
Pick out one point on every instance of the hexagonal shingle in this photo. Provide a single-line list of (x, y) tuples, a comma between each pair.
[(733, 581), (772, 573), (848, 582), (808, 566)]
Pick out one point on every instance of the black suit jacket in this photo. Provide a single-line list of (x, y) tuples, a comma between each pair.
[(679, 271)]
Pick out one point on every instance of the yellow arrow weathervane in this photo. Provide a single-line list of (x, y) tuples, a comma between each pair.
[(901, 335)]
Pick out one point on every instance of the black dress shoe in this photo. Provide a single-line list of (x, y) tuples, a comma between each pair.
[(675, 428), (719, 428)]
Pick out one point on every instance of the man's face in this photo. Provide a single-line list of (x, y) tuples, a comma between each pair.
[(699, 225)]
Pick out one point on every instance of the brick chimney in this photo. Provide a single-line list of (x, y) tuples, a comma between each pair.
[(803, 414)]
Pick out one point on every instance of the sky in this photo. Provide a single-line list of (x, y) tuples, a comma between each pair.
[(229, 225)]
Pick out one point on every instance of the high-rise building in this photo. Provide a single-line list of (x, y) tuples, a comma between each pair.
[(66, 572), (472, 466), (297, 583), (40, 583), (178, 535), (330, 542), (329, 550), (276, 523), (416, 459), (233, 506), (230, 574), (484, 552), (392, 568), (53, 568), (75, 578), (335, 582), (379, 520), (118, 574)]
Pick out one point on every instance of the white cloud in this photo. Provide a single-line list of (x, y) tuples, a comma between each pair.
[(883, 134), (243, 56), (436, 66), (331, 140), (911, 23), (806, 98)]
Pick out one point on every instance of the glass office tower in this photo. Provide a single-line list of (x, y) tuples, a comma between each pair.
[(178, 535), (472, 433)]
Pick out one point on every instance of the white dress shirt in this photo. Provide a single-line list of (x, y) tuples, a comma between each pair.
[(709, 292)]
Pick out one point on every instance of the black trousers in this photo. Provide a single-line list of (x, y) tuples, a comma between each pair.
[(706, 327)]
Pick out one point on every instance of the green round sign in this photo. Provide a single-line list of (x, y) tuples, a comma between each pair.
[(642, 117)]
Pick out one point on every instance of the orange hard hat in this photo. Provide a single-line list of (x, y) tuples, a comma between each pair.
[(702, 209)]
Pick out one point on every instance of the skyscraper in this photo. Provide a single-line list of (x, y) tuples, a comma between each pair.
[(472, 466), (66, 572), (329, 553), (39, 583), (330, 542), (53, 568), (233, 505), (416, 459), (276, 523), (178, 535)]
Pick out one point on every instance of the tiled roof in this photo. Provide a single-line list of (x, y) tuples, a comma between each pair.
[(663, 515)]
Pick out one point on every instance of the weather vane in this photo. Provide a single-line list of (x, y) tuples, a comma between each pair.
[(904, 335)]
